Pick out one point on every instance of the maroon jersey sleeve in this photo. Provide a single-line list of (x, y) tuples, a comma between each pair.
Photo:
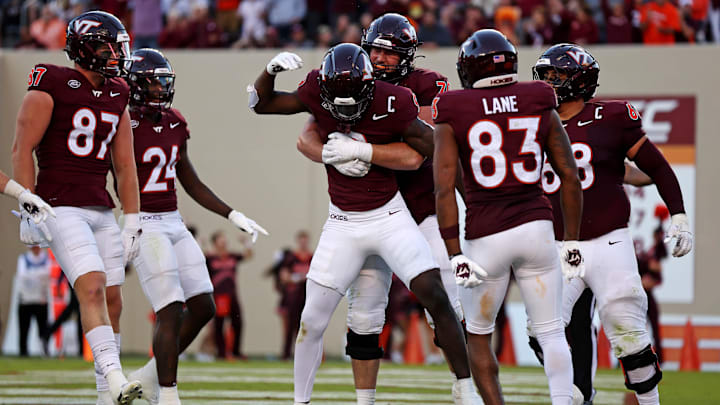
[(628, 121), (309, 90), (43, 77)]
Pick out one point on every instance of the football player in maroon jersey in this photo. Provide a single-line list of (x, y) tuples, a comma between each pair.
[(76, 121), (603, 134), (499, 128), (367, 215), (391, 43), (170, 264)]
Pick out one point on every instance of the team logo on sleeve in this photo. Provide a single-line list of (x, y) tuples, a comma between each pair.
[(134, 124), (73, 84), (632, 112)]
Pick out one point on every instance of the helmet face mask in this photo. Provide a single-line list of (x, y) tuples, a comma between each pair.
[(97, 41), (570, 70), (152, 81), (394, 33), (346, 82)]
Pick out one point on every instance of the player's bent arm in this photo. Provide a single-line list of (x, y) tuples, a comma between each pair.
[(270, 101), (31, 123), (419, 135), (445, 163), (563, 162), (651, 161), (123, 159), (636, 177), (309, 142), (196, 188), (425, 114), (396, 156)]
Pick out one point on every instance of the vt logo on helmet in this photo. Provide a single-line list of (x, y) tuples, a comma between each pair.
[(346, 82), (570, 69), (152, 82), (98, 41)]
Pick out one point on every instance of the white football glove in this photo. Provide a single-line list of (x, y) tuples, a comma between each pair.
[(246, 224), (32, 234), (29, 202), (571, 260), (342, 148), (468, 274), (353, 168), (680, 231), (282, 62), (130, 237)]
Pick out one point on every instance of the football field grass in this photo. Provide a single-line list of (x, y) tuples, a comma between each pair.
[(70, 381)]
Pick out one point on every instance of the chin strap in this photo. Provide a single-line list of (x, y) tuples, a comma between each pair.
[(495, 81)]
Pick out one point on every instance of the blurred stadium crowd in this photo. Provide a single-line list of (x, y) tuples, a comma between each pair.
[(322, 23)]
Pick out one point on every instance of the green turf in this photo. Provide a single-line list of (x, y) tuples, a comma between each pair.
[(681, 388)]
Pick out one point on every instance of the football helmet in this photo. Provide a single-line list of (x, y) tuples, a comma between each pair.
[(152, 81), (98, 41), (392, 32), (487, 59), (346, 82), (570, 69)]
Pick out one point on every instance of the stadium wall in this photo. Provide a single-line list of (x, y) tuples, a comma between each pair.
[(251, 161)]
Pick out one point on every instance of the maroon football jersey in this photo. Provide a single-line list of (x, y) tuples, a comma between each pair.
[(417, 187), (391, 111), (74, 154), (601, 135), (157, 147), (501, 134)]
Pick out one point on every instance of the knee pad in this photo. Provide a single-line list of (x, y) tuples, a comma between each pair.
[(644, 362), (535, 346), (363, 347)]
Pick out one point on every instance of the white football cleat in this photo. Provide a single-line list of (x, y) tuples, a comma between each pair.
[(147, 376), (129, 392), (578, 398), (470, 397)]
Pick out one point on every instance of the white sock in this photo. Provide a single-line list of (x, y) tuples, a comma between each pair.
[(118, 342), (319, 307), (150, 369), (365, 396), (558, 363), (104, 349), (649, 398), (169, 395), (465, 386)]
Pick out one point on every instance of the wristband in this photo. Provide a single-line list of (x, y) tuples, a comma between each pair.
[(132, 221), (450, 232), (13, 189)]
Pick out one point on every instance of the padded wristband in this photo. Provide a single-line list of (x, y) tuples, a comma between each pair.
[(13, 189), (450, 232)]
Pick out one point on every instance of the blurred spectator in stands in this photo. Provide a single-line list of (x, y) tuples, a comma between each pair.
[(315, 16), (365, 20), (176, 33), (49, 30), (474, 20), (147, 23), (528, 6), (324, 39), (227, 18), (618, 21), (254, 29), (298, 38), (433, 34), (33, 286), (695, 14), (537, 30), (714, 19), (283, 14), (659, 20), (353, 34), (205, 31), (10, 22), (222, 265), (279, 259), (507, 18), (560, 19), (293, 275), (452, 19), (118, 8), (73, 307), (342, 22), (380, 7), (583, 29)]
